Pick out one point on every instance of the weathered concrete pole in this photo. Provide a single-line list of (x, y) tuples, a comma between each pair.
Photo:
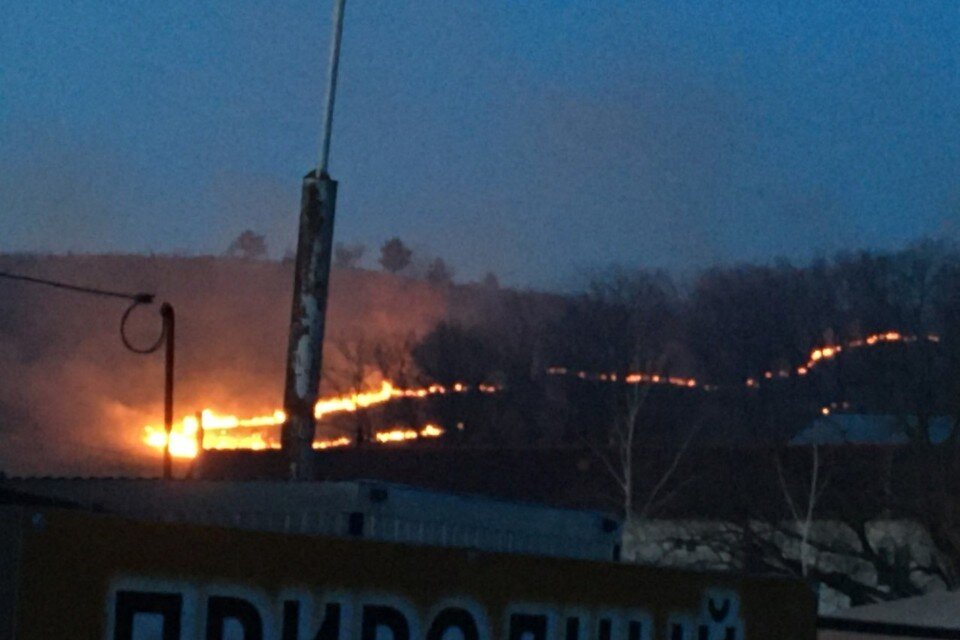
[(307, 322), (311, 284)]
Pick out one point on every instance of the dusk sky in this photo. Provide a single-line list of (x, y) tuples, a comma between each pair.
[(535, 139)]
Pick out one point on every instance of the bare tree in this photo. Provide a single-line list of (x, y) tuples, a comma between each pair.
[(626, 434), (803, 509), (453, 353), (621, 327), (354, 364), (393, 358)]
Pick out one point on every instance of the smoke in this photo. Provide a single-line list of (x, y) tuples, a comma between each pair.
[(652, 174), (649, 169), (74, 400)]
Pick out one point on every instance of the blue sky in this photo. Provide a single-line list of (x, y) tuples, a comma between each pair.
[(538, 140)]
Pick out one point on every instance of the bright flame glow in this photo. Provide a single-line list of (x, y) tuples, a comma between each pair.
[(816, 356), (402, 435), (222, 431)]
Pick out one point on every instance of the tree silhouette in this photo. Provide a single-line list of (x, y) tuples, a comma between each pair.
[(439, 274), (249, 245), (394, 255), (348, 256)]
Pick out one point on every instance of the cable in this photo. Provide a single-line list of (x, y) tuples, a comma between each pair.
[(126, 341), (138, 298)]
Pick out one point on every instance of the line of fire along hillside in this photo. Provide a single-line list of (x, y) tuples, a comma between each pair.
[(211, 430), (816, 357)]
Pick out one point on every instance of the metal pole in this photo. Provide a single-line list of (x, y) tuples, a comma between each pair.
[(338, 6), (200, 433), (166, 311)]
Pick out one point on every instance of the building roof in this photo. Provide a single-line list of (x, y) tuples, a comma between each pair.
[(854, 428), (940, 610), (712, 483), (361, 508)]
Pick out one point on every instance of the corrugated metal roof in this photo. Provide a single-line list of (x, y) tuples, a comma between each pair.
[(941, 609), (364, 508)]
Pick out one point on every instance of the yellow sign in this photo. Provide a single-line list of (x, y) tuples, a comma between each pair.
[(81, 576)]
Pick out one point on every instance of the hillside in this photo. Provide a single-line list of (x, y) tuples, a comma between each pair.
[(743, 355)]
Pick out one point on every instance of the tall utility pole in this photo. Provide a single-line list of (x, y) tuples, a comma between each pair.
[(311, 283)]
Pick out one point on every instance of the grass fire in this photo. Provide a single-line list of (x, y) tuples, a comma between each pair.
[(211, 430)]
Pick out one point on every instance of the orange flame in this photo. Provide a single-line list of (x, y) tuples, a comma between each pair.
[(262, 432), (401, 435), (817, 356)]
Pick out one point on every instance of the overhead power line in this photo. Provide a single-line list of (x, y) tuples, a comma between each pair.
[(136, 299), (139, 298)]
